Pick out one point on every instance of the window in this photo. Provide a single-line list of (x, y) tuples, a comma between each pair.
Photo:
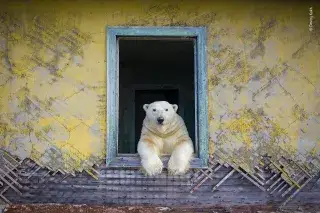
[(152, 70), (146, 64)]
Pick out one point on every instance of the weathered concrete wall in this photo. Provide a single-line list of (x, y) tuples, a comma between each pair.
[(263, 69)]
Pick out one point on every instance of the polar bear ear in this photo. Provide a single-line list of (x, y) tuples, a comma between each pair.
[(145, 107), (175, 107)]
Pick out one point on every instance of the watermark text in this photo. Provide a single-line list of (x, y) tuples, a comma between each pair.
[(311, 19)]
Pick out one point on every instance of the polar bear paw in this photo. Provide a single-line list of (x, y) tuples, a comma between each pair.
[(152, 166), (177, 168)]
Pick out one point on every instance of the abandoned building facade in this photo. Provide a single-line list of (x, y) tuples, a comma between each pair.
[(74, 79)]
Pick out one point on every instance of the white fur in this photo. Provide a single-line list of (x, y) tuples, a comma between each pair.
[(169, 138)]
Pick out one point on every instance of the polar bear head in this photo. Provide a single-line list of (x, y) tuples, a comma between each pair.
[(160, 112)]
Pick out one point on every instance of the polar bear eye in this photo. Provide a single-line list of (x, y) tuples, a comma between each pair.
[(154, 110), (166, 109)]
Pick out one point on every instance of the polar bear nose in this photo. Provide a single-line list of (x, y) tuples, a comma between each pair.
[(160, 120)]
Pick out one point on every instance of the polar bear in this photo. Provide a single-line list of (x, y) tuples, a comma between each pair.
[(164, 132)]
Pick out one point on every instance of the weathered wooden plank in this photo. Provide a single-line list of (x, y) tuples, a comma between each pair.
[(118, 198), (142, 188), (133, 182), (138, 176), (106, 196), (149, 194)]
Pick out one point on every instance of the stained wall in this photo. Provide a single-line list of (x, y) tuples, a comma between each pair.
[(263, 71)]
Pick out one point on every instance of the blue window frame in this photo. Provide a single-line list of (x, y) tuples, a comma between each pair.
[(113, 159)]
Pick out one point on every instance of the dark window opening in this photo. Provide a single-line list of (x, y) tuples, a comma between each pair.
[(153, 70)]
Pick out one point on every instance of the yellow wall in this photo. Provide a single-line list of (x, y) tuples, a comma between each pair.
[(263, 70)]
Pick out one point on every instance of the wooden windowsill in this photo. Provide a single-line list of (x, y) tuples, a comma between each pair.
[(133, 161)]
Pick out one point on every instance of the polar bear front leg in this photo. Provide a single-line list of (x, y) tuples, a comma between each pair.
[(179, 162), (150, 160)]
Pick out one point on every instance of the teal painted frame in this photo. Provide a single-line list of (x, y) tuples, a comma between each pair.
[(201, 90)]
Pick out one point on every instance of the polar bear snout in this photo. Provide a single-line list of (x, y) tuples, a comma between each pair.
[(160, 120)]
